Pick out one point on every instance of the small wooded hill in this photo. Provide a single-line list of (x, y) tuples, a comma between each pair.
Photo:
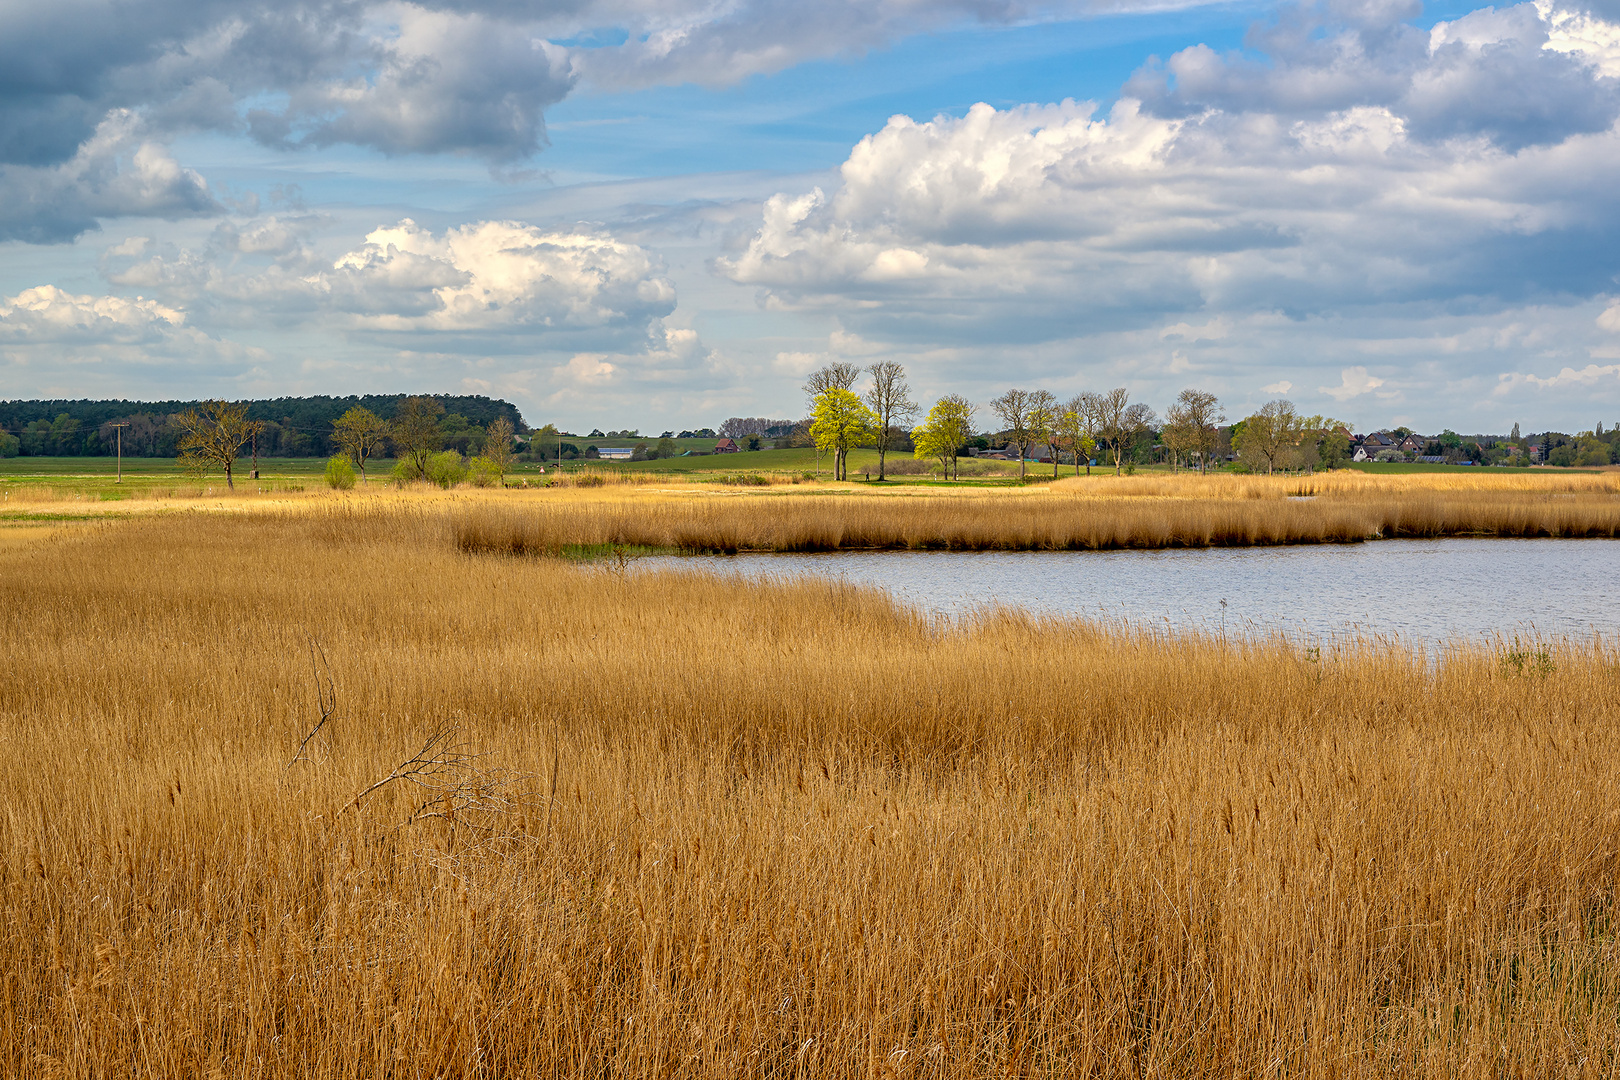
[(294, 426)]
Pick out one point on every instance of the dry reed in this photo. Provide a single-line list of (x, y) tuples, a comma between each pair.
[(1022, 521), (728, 829)]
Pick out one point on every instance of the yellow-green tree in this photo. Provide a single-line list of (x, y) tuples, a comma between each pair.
[(1074, 427), (941, 435), (840, 422), (359, 433)]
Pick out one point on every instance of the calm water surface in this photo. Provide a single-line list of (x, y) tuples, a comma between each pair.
[(1426, 591)]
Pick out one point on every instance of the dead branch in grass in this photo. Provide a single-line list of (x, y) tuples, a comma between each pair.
[(325, 696), (438, 757)]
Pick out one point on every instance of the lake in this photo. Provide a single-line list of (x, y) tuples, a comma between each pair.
[(1425, 591)]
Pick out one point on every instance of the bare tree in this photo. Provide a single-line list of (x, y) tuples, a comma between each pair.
[(1119, 421), (1013, 410), (1190, 425), (359, 432), (839, 376), (213, 434), (498, 445), (1044, 415), (890, 399)]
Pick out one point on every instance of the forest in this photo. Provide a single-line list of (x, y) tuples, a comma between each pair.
[(293, 426)]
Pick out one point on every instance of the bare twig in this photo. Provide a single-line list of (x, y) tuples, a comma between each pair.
[(437, 758), (325, 695)]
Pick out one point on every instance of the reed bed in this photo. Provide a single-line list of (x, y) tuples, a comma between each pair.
[(1018, 521), (717, 829), (1342, 482)]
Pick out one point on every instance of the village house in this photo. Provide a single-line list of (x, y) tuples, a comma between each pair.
[(727, 446)]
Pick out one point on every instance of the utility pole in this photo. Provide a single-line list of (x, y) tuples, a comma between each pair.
[(120, 429)]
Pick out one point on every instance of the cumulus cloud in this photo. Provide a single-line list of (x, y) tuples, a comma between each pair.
[(1281, 386), (1353, 382), (1299, 187), (440, 82), (63, 343), (117, 171), (46, 314), (482, 278), (1592, 375), (434, 76)]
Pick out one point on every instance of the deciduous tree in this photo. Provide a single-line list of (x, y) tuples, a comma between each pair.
[(359, 433), (498, 445), (1013, 409), (841, 422), (839, 376), (1044, 414), (1191, 423), (1076, 425), (1119, 421), (890, 401), (949, 425), (1271, 436), (415, 433), (212, 436)]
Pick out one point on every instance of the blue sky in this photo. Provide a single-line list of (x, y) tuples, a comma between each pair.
[(623, 213)]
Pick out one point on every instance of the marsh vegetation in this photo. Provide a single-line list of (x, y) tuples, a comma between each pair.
[(674, 824)]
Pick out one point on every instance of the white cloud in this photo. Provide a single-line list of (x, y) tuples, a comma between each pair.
[(47, 314), (590, 370), (1592, 375), (67, 344), (1428, 196), (500, 274), (117, 172), (1610, 319), (480, 278), (1353, 382)]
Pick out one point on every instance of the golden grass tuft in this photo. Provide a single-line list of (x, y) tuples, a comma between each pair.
[(726, 829)]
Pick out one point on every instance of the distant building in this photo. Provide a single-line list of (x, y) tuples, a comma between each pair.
[(727, 446), (614, 453)]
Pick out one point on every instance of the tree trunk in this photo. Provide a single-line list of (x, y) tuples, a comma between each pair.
[(883, 449)]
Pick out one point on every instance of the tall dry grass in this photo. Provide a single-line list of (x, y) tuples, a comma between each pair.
[(727, 829), (1019, 520), (1341, 482)]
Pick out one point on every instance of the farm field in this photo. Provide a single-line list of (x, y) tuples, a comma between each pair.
[(669, 824)]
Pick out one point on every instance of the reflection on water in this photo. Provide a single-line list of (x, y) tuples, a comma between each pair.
[(1424, 591)]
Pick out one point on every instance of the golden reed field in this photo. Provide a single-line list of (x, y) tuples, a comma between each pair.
[(576, 819), (1071, 514)]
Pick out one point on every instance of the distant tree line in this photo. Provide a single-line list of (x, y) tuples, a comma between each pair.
[(288, 426)]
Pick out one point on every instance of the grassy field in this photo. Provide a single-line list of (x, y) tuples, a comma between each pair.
[(666, 824)]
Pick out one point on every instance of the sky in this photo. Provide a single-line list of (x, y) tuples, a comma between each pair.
[(656, 214)]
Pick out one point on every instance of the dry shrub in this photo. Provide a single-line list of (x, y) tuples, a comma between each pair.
[(765, 829)]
